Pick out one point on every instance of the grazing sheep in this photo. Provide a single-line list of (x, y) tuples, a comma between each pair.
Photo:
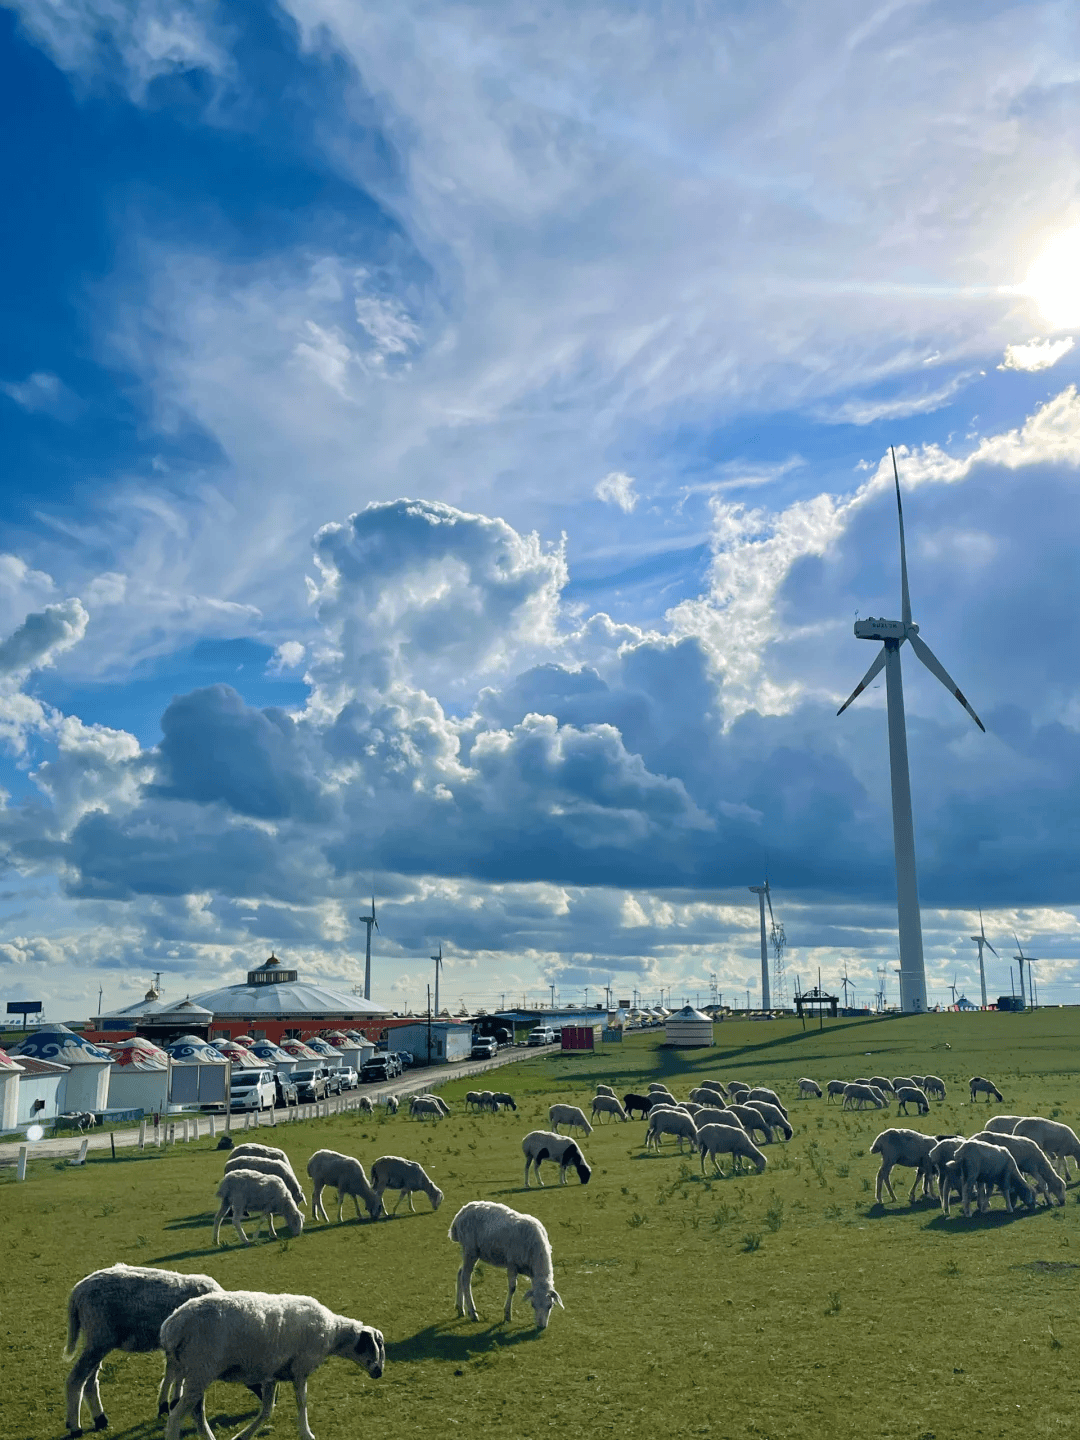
[(1032, 1160), (713, 1140), (884, 1084), (934, 1086), (751, 1120), (978, 1085), (773, 1116), (919, 1081), (607, 1105), (857, 1097), (364, 1105), (717, 1085), (604, 1090), (347, 1175), (284, 1172), (833, 1089), (710, 1115), (1057, 1140), (391, 1172), (656, 1085), (541, 1145), (938, 1161), (738, 1089), (808, 1088), (255, 1339), (708, 1095), (568, 1115), (423, 1106), (264, 1152), (664, 1121), (515, 1243), (121, 1308), (911, 1095), (633, 1102), (250, 1192), (472, 1097), (487, 1101), (980, 1167), (391, 1103), (1003, 1124), (903, 1147), (899, 1082), (760, 1092), (501, 1098)]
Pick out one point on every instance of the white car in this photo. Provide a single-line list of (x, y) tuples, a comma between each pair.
[(542, 1035), (253, 1090)]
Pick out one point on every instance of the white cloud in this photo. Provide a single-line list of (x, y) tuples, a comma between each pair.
[(41, 393), (42, 636), (617, 489), (1036, 354), (288, 655)]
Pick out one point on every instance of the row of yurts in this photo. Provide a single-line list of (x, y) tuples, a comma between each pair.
[(123, 1061)]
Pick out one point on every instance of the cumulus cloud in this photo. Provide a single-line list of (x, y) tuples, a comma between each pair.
[(1036, 354), (41, 637), (617, 489)]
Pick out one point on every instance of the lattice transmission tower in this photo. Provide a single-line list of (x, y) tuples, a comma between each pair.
[(779, 942)]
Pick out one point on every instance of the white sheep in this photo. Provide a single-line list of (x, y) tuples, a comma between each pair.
[(1032, 1160), (607, 1105), (761, 1092), (911, 1095), (706, 1094), (254, 1339), (710, 1115), (365, 1106), (472, 1097), (391, 1103), (737, 1089), (541, 1145), (833, 1089), (605, 1090), (883, 1083), (665, 1121), (980, 1167), (903, 1147), (1003, 1124), (919, 1081), (773, 1116), (515, 1243), (717, 1085), (250, 1192), (503, 1100), (713, 1140), (391, 1172), (568, 1115), (900, 1081), (857, 1097), (658, 1085), (752, 1120), (808, 1088), (121, 1308), (979, 1085), (425, 1105), (282, 1169), (934, 1086), (348, 1177), (1057, 1140), (264, 1152), (938, 1162)]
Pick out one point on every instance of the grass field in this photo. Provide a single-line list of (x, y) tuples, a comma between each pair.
[(785, 1304)]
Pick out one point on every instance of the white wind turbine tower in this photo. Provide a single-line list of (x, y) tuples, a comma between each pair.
[(980, 941), (438, 966), (762, 892), (1028, 959), (893, 634), (369, 921)]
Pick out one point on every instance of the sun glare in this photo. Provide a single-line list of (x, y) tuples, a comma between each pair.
[(1053, 282)]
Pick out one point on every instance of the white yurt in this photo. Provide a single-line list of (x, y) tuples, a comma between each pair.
[(86, 1085), (265, 1052), (10, 1073), (688, 1027), (139, 1079)]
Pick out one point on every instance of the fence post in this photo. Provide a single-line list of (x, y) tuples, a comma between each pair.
[(20, 1173), (273, 1115), (213, 1126), (142, 1134), (184, 1123)]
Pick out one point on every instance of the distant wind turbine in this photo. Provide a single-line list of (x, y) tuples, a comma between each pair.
[(369, 921), (438, 966), (1028, 959), (952, 987), (980, 941), (762, 892), (893, 634)]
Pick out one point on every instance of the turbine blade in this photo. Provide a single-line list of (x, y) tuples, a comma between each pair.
[(991, 948), (905, 598), (771, 920), (871, 674), (375, 922), (934, 665)]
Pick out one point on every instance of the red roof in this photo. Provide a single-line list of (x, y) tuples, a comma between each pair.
[(30, 1066)]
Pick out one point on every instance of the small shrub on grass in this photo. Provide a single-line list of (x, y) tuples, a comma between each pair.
[(751, 1241), (636, 1220), (774, 1215), (833, 1307)]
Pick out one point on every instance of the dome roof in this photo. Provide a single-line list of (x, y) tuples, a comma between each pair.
[(298, 1050), (185, 1009), (321, 1046), (290, 997), (688, 1013), (59, 1043), (240, 1055), (269, 1053), (190, 1049), (138, 1054)]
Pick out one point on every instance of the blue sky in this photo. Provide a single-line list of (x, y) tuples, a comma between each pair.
[(445, 451)]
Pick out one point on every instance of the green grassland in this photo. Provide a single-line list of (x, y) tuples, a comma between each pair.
[(785, 1304)]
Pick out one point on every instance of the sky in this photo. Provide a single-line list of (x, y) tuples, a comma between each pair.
[(446, 447)]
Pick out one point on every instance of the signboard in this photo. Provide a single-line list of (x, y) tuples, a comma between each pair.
[(624, 1004), (578, 1037), (24, 1008), (198, 1084)]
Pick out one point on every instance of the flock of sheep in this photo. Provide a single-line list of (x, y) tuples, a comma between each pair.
[(259, 1339)]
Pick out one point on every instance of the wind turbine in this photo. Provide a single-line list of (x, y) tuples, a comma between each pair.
[(1022, 958), (980, 941), (893, 634), (952, 987), (845, 982), (438, 966), (762, 892), (369, 921)]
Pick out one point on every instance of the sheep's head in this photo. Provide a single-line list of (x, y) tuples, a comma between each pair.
[(367, 1349), (543, 1298), (296, 1223), (436, 1197)]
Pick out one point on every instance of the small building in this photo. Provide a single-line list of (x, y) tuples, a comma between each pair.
[(10, 1074), (448, 1041), (85, 1086), (139, 1078), (688, 1028), (579, 1037), (39, 1089)]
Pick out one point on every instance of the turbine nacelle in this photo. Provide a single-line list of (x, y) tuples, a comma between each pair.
[(872, 629)]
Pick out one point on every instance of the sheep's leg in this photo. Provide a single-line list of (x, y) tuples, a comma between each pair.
[(356, 1205), (562, 1174), (538, 1179), (919, 1174), (266, 1409), (528, 1167), (84, 1371), (340, 1204), (270, 1224), (300, 1387), (511, 1286), (466, 1304), (401, 1196), (883, 1179), (189, 1403), (412, 1207), (316, 1203), (1006, 1190)]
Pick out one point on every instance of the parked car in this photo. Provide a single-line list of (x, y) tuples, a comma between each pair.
[(542, 1035), (349, 1077), (310, 1083), (285, 1090), (376, 1067), (392, 1059), (253, 1090), (333, 1081), (485, 1047)]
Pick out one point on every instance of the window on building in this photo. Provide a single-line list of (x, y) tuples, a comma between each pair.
[(259, 1034), (291, 1032), (221, 1035)]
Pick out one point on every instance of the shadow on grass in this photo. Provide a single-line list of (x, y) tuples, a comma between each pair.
[(955, 1223), (460, 1339), (152, 1429), (193, 1222)]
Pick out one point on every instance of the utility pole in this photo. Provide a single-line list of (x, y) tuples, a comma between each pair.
[(552, 987), (428, 1022)]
